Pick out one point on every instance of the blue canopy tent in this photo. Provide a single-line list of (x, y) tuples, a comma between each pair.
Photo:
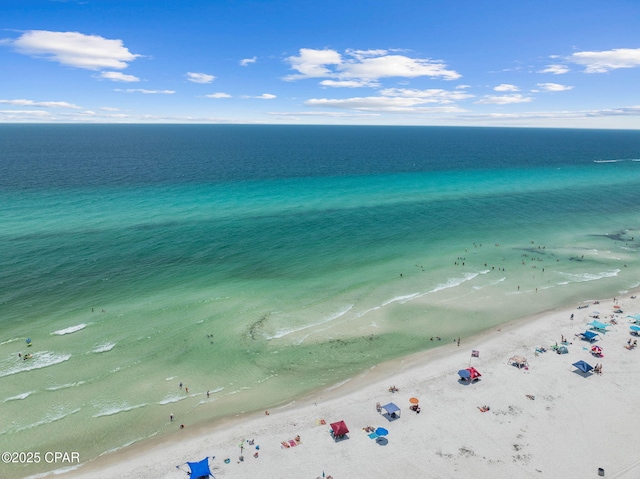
[(589, 336), (598, 326), (200, 469), (392, 410), (583, 366)]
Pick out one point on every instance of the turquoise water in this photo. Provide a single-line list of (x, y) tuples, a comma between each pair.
[(260, 263)]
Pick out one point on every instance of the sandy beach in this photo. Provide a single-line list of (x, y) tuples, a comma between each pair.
[(544, 420)]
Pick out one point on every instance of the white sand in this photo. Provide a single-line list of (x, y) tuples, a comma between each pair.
[(574, 426)]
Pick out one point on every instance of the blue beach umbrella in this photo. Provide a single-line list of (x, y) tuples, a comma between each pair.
[(381, 431), (634, 328)]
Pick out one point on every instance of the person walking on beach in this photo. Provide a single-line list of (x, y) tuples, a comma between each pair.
[(171, 417)]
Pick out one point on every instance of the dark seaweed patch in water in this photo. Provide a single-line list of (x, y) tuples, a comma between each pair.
[(540, 251), (256, 328), (623, 236)]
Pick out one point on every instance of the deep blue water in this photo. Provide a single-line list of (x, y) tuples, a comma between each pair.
[(46, 156)]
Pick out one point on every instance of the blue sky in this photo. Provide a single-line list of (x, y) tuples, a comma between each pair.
[(561, 63)]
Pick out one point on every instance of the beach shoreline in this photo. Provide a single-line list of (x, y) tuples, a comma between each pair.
[(447, 407)]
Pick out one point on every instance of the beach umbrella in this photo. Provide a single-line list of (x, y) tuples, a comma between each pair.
[(464, 373), (381, 431), (596, 349), (413, 400), (634, 327)]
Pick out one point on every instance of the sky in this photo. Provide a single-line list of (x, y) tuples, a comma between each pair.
[(560, 63)]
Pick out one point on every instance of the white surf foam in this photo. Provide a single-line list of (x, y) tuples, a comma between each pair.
[(19, 396), (65, 386), (38, 360), (111, 411), (69, 330), (103, 348), (48, 419), (583, 277), (332, 317)]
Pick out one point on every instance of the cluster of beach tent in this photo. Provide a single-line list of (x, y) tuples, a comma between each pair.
[(469, 374), (339, 429)]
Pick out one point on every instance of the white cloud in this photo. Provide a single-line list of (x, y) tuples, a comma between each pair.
[(362, 54), (91, 52), (506, 87), (248, 61), (384, 104), (381, 103), (604, 61), (218, 95), (313, 63), (403, 100), (363, 65), (264, 96), (554, 87), (119, 76), (331, 114), (624, 111), (561, 115), (555, 69), (427, 96), (396, 66), (348, 83), (504, 99), (147, 92), (200, 77), (13, 114), (43, 104)]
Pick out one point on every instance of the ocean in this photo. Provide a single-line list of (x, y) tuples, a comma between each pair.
[(203, 271)]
